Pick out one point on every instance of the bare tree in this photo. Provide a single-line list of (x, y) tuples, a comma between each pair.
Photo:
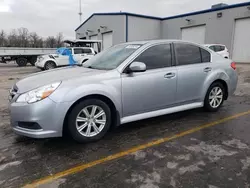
[(59, 40), (40, 43), (3, 39), (23, 37), (13, 39), (50, 42), (34, 40)]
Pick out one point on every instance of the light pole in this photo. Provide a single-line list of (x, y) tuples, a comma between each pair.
[(80, 12)]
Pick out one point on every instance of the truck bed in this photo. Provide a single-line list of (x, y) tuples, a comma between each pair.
[(12, 51)]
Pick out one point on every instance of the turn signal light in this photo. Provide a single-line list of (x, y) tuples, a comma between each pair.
[(233, 65)]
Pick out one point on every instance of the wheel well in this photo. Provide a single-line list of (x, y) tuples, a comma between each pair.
[(84, 60), (225, 87), (114, 113)]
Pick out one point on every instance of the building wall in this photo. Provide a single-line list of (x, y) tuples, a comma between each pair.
[(114, 23), (218, 30), (143, 28)]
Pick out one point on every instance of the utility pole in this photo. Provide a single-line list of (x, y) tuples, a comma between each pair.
[(80, 12)]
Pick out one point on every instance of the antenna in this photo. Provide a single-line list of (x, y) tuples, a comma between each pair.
[(80, 12)]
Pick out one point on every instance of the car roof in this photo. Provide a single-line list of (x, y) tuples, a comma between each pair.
[(214, 45), (159, 41)]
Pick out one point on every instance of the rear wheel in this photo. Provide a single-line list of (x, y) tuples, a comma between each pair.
[(32, 60), (89, 120), (49, 65), (22, 62), (214, 97)]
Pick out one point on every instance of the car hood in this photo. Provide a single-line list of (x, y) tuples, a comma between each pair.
[(56, 75)]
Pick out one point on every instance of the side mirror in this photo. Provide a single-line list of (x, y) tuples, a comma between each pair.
[(137, 67)]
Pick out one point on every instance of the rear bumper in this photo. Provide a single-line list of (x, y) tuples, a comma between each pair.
[(233, 83)]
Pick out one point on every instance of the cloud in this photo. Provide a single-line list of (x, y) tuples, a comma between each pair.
[(5, 5), (47, 17)]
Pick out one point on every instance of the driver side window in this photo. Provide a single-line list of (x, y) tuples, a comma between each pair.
[(155, 57)]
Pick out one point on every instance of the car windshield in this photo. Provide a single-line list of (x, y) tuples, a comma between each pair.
[(112, 57)]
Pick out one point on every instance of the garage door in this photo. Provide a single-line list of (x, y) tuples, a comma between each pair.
[(241, 44), (194, 34), (94, 37), (107, 40)]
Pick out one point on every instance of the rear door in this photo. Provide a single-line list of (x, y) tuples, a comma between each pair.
[(193, 66)]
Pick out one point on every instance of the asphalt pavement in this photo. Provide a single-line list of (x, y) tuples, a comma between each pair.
[(188, 149)]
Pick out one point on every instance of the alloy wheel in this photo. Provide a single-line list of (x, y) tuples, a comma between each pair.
[(90, 121), (215, 97)]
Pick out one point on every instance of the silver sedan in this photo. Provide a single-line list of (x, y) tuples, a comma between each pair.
[(127, 82)]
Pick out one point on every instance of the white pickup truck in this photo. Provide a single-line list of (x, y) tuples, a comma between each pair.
[(22, 56), (51, 61)]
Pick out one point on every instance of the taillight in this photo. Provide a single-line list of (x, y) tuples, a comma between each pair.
[(233, 65)]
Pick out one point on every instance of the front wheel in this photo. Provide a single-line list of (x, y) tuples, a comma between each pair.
[(214, 97), (49, 65), (89, 120)]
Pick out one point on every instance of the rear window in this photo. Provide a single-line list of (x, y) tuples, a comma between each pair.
[(222, 48), (87, 51), (205, 55), (212, 48), (190, 54), (218, 48)]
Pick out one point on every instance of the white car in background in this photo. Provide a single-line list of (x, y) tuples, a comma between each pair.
[(219, 48), (51, 61)]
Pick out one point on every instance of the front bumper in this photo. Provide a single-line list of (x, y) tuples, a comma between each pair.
[(39, 64), (46, 113)]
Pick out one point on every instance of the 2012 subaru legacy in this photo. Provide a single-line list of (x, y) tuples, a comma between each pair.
[(127, 82)]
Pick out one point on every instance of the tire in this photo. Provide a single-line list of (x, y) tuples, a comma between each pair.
[(21, 62), (208, 104), (83, 136), (32, 60), (49, 65)]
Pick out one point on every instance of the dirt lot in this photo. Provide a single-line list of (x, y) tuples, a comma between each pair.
[(199, 149)]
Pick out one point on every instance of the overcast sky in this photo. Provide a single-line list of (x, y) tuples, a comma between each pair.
[(48, 17)]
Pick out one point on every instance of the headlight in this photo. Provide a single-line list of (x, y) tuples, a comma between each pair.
[(38, 94), (40, 58)]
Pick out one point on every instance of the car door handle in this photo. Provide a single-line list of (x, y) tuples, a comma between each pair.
[(207, 69), (169, 75)]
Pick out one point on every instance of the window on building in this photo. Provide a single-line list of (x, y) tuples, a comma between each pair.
[(155, 57), (187, 54)]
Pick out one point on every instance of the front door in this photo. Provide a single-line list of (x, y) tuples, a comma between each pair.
[(78, 54), (153, 89), (193, 67)]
